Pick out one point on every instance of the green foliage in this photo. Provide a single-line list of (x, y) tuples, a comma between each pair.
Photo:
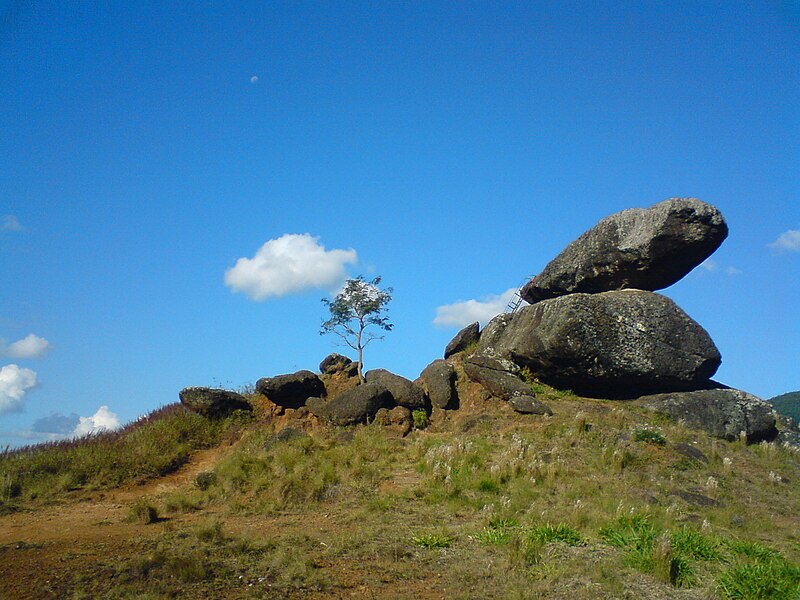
[(558, 533), (420, 417), (694, 545), (359, 306), (773, 578), (650, 436), (630, 532), (433, 540)]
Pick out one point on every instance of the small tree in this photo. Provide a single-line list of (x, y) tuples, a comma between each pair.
[(361, 304)]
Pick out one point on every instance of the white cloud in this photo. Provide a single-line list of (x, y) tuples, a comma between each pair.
[(31, 346), (10, 223), (709, 265), (14, 384), (291, 263), (102, 420), (788, 240), (464, 312), (733, 271)]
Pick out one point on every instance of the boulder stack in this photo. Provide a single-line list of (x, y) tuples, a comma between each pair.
[(595, 325)]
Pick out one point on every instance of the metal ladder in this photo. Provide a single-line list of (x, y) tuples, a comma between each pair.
[(516, 300)]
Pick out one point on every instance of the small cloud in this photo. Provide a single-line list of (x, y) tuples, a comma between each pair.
[(709, 265), (464, 312), (102, 420), (732, 271), (788, 241), (10, 223), (254, 79), (14, 384), (31, 346), (289, 264), (56, 424)]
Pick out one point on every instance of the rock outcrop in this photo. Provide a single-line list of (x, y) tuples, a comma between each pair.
[(212, 402), (291, 390), (358, 405), (723, 412), (336, 363), (438, 381), (647, 249), (500, 377), (622, 343), (397, 421), (463, 339), (403, 391)]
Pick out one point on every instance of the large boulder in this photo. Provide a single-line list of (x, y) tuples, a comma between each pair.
[(291, 390), (643, 248), (723, 412), (358, 405), (463, 339), (623, 344), (438, 381), (212, 402), (404, 392)]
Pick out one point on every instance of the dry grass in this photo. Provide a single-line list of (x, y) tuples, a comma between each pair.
[(482, 504)]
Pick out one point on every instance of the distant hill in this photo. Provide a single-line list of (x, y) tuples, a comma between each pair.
[(788, 404)]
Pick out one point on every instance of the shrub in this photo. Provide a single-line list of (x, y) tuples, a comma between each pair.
[(650, 436), (421, 420)]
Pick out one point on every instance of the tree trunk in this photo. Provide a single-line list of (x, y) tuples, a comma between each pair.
[(360, 358)]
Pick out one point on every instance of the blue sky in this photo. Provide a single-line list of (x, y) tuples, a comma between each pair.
[(453, 148)]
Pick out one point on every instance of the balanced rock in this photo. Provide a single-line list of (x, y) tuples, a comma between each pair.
[(723, 412), (404, 392), (438, 381), (291, 390), (212, 402), (358, 405), (623, 343), (463, 339), (642, 248)]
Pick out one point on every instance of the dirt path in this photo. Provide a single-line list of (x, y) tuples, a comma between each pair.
[(41, 549), (87, 518)]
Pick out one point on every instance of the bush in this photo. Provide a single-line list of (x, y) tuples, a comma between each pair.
[(421, 420)]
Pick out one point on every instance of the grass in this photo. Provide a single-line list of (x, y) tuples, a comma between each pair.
[(569, 506), (152, 446)]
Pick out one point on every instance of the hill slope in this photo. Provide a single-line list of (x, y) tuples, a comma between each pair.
[(788, 404), (601, 500)]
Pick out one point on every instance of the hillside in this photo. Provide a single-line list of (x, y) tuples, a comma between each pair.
[(788, 404), (603, 499)]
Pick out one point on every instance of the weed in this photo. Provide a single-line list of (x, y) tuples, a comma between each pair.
[(433, 540), (650, 436), (420, 417), (763, 579), (558, 533), (142, 512)]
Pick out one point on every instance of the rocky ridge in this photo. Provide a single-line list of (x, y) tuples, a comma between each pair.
[(594, 324)]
